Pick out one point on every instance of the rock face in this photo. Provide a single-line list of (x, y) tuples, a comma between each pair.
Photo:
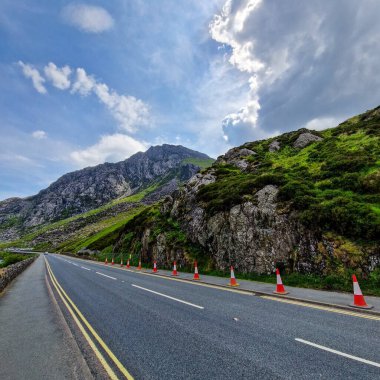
[(305, 139), (93, 187), (252, 236)]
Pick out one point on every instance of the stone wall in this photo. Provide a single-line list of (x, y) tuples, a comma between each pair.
[(12, 271)]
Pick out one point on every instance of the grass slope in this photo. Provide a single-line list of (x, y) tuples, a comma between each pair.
[(87, 217), (334, 184)]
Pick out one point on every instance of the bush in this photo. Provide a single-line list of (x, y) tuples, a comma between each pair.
[(12, 258)]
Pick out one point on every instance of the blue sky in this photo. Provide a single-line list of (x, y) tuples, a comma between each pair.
[(87, 82)]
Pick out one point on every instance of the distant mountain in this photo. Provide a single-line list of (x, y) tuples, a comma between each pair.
[(160, 166)]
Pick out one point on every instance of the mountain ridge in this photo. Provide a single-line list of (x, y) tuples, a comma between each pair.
[(89, 188)]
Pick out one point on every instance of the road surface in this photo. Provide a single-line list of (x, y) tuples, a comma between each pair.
[(160, 328)]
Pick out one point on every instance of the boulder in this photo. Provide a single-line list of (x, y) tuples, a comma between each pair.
[(305, 139)]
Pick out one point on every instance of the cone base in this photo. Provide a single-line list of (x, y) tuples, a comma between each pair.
[(154, 271), (280, 293), (233, 284), (361, 307), (196, 279), (174, 274)]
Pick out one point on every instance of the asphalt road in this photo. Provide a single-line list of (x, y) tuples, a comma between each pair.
[(159, 328)]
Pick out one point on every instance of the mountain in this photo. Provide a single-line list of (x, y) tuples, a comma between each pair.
[(305, 201), (160, 169)]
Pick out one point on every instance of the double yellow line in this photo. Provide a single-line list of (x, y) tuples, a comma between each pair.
[(71, 307)]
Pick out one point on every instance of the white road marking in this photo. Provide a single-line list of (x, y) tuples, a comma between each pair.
[(102, 274), (85, 268), (338, 352), (75, 264), (166, 296)]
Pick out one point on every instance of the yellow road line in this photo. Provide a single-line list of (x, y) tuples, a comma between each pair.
[(325, 308), (120, 366), (104, 363)]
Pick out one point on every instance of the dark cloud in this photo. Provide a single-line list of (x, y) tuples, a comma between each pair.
[(320, 59)]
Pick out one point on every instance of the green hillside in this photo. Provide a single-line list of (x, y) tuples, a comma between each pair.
[(334, 183)]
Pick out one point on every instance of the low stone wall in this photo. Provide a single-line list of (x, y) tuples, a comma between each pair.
[(12, 271)]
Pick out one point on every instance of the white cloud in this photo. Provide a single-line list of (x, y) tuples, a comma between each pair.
[(225, 29), (88, 18), (30, 72), (58, 76), (128, 111), (321, 123), (110, 148), (39, 135), (84, 83)]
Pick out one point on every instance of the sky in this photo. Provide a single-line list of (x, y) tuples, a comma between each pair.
[(84, 83)]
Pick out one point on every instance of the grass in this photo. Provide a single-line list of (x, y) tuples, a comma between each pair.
[(97, 235), (334, 184), (203, 163)]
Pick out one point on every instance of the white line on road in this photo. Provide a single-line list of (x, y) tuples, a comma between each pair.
[(338, 352), (102, 274), (75, 264), (164, 295), (85, 268)]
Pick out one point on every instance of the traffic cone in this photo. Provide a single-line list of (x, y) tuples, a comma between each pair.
[(112, 261), (106, 261), (233, 279), (139, 267), (128, 265), (155, 270), (280, 289), (196, 274), (175, 273), (359, 300)]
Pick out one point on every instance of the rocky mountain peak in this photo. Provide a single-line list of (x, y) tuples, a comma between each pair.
[(92, 187)]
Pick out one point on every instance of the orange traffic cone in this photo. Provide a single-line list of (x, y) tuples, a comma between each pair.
[(359, 300), (196, 274), (106, 262), (280, 289), (112, 261), (175, 273), (128, 265), (233, 279), (139, 267), (155, 270)]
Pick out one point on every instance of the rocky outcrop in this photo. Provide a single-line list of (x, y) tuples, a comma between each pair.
[(304, 139), (252, 236), (237, 157), (274, 146)]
